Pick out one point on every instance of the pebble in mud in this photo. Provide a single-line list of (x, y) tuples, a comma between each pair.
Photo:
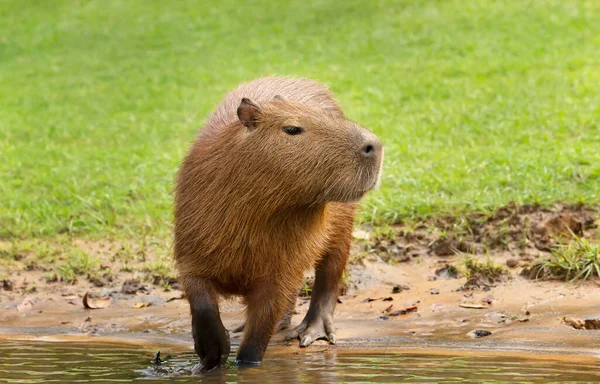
[(7, 285), (512, 263), (479, 333), (399, 288)]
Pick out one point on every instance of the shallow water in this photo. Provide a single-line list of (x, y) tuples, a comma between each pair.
[(67, 362)]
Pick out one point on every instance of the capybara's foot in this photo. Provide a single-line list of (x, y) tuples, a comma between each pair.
[(249, 355), (316, 327), (212, 346)]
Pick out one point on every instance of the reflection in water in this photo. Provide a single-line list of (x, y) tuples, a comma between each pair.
[(42, 362)]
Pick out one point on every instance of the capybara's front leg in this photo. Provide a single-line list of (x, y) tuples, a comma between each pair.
[(266, 305), (211, 339), (318, 322)]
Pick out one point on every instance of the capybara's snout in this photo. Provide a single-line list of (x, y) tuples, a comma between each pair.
[(371, 159)]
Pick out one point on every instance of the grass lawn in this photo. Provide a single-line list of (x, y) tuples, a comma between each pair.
[(478, 102)]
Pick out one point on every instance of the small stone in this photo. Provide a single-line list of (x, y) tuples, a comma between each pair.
[(7, 285), (511, 263), (479, 333), (131, 287), (400, 288)]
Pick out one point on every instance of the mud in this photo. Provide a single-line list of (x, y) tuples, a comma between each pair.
[(522, 315), (524, 230), (388, 305)]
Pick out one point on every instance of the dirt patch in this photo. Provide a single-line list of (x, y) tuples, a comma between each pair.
[(518, 236), (515, 234), (442, 278)]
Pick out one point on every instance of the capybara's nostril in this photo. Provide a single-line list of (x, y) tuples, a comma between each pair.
[(368, 150)]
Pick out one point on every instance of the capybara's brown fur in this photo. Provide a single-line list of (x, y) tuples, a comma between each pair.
[(268, 190)]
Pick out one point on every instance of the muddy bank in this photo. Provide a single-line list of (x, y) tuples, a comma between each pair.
[(524, 232), (406, 289), (519, 316)]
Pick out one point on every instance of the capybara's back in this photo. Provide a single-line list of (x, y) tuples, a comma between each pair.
[(268, 190)]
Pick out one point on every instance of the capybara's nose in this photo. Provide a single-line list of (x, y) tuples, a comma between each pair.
[(370, 148)]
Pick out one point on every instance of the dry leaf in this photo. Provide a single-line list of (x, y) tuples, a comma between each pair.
[(177, 297), (368, 300), (142, 305), (404, 311), (95, 302), (582, 323)]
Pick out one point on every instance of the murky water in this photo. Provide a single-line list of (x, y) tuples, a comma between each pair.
[(43, 362)]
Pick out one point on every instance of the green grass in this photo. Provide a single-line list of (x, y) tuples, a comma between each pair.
[(78, 263), (472, 268), (478, 102), (577, 260)]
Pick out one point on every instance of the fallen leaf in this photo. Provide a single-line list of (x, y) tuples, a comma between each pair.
[(404, 311), (142, 304), (473, 305), (368, 300), (177, 297), (25, 305), (582, 323), (388, 309), (91, 302)]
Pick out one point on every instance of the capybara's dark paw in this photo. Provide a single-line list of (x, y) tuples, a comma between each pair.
[(310, 330), (249, 355), (212, 348)]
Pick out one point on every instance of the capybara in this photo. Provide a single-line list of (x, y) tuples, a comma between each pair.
[(269, 189)]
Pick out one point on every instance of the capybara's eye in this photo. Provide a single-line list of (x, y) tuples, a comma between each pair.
[(292, 130)]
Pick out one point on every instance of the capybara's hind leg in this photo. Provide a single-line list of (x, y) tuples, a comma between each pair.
[(318, 322), (211, 339), (266, 305), (285, 321)]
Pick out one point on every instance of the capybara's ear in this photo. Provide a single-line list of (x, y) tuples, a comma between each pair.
[(248, 113), (278, 97)]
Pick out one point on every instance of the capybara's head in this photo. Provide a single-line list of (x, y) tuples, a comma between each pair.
[(311, 154)]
